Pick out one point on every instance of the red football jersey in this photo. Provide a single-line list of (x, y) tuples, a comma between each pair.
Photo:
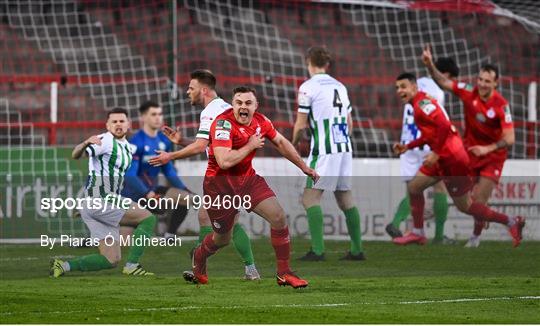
[(484, 121), (227, 132), (437, 130)]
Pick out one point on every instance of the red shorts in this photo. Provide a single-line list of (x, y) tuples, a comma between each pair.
[(486, 167), (248, 188), (455, 174)]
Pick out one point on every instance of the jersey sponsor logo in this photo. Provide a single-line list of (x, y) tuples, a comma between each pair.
[(465, 86), (303, 99), (507, 114), (490, 113), (223, 135), (480, 117), (427, 106), (223, 124)]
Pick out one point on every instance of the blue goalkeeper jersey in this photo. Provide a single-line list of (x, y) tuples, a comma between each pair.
[(141, 177)]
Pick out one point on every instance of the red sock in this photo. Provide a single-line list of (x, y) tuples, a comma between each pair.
[(484, 213), (282, 248), (417, 209), (478, 226), (207, 248)]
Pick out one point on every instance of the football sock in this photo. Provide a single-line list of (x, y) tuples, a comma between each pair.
[(440, 209), (207, 248), (177, 217), (203, 231), (417, 209), (483, 212), (478, 226), (282, 248), (403, 211), (242, 244), (315, 223), (144, 230), (89, 263), (352, 217)]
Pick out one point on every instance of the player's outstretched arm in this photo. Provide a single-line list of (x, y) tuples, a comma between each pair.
[(300, 124), (439, 78), (79, 149), (227, 157), (197, 147), (288, 151)]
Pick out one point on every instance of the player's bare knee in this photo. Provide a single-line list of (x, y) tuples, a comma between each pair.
[(279, 220)]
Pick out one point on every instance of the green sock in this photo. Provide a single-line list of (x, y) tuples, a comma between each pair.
[(352, 217), (145, 229), (403, 211), (242, 244), (89, 263), (315, 222), (203, 231), (440, 209)]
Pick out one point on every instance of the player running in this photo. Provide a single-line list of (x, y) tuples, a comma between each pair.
[(142, 178), (110, 156), (489, 130), (324, 107), (235, 136), (448, 161), (411, 160), (202, 92)]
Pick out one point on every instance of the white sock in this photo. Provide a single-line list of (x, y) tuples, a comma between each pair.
[(511, 221), (129, 265), (168, 235), (66, 267), (474, 237), (418, 231)]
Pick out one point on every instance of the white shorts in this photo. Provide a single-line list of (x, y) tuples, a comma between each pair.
[(103, 223), (410, 162), (335, 171)]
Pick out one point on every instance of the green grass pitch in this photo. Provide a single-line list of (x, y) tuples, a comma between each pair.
[(432, 284)]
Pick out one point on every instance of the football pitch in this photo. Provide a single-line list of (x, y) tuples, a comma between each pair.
[(431, 284)]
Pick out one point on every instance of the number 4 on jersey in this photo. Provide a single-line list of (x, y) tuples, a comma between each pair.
[(337, 101)]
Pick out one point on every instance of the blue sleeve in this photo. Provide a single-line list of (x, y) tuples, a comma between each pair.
[(170, 173), (135, 184)]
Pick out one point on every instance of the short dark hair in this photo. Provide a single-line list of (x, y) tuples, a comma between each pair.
[(448, 65), (244, 89), (407, 75), (318, 56), (491, 68), (146, 105), (117, 110), (204, 76)]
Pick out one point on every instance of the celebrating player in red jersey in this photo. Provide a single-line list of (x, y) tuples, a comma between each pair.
[(489, 130), (448, 161), (234, 137)]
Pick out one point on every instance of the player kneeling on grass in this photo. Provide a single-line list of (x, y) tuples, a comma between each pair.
[(448, 161), (235, 135), (110, 156)]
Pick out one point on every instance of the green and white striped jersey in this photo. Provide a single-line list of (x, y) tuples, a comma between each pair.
[(107, 165), (216, 107), (327, 104)]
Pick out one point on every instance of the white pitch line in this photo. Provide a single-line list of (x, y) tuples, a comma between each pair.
[(36, 258), (321, 305)]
